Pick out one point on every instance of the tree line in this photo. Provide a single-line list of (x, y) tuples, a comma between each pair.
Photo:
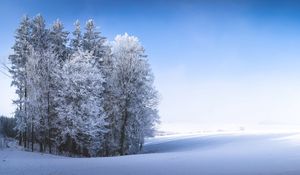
[(7, 126), (80, 94)]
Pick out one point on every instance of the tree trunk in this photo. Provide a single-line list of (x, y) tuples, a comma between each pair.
[(28, 137), (141, 147), (25, 110), (20, 139), (32, 137), (50, 147), (21, 132), (41, 147), (24, 138), (49, 109), (123, 132), (49, 125)]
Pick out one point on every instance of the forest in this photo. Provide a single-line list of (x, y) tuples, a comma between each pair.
[(80, 94)]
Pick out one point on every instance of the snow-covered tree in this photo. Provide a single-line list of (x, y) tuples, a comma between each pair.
[(18, 71), (59, 51), (39, 70), (40, 34), (81, 97), (136, 96), (80, 111), (39, 81), (76, 41), (58, 41), (94, 43)]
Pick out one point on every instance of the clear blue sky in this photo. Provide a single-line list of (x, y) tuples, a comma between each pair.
[(215, 61)]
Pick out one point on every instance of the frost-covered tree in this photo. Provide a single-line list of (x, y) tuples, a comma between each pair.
[(39, 70), (58, 41), (32, 93), (94, 43), (18, 71), (76, 41), (40, 34), (82, 97), (136, 97), (40, 65), (80, 110)]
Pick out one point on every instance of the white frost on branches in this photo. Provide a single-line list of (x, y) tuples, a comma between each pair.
[(80, 95)]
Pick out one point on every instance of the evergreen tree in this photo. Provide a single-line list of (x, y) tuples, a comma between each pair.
[(76, 41), (93, 42), (18, 71), (60, 53), (40, 34), (38, 73), (58, 39)]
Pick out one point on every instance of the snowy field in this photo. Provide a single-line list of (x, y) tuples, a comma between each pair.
[(218, 154)]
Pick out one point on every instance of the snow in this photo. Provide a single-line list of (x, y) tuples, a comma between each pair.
[(218, 154)]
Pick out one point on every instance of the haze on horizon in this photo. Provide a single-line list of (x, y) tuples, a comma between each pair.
[(217, 64)]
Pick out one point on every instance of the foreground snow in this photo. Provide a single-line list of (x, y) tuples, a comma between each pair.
[(226, 154)]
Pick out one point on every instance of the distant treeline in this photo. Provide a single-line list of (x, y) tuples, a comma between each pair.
[(7, 126)]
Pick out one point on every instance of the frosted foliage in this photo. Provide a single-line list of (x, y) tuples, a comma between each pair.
[(81, 95), (80, 111), (133, 84)]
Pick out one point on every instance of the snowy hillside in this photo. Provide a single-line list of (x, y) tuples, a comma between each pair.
[(228, 154)]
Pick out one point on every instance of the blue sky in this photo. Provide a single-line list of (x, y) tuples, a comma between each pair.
[(216, 62)]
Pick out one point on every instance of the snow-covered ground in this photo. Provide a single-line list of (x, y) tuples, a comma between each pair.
[(218, 154)]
